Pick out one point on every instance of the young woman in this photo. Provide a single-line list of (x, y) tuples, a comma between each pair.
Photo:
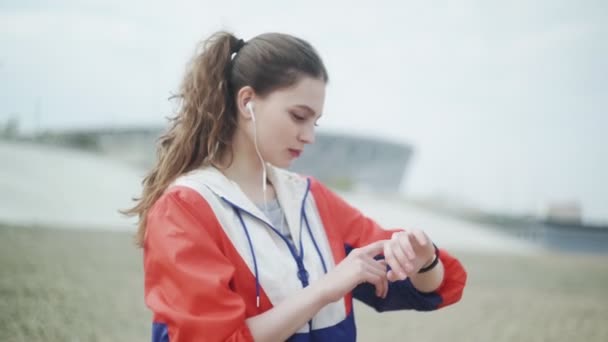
[(236, 248)]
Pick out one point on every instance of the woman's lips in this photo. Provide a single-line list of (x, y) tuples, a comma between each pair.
[(295, 153)]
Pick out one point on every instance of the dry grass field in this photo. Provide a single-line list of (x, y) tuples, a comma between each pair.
[(67, 285)]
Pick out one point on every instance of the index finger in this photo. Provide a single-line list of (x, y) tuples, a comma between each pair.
[(374, 248)]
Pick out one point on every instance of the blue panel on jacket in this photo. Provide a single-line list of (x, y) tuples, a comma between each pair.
[(159, 332)]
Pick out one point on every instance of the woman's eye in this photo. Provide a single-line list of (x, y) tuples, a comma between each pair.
[(298, 117)]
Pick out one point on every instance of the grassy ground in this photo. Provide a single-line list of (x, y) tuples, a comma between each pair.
[(62, 285)]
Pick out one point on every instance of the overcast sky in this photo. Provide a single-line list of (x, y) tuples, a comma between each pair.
[(505, 102)]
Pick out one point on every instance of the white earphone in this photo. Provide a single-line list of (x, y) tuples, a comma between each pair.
[(249, 106)]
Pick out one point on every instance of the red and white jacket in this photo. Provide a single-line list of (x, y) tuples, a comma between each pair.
[(212, 259)]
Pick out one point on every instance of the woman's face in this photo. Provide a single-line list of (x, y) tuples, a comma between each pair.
[(285, 120)]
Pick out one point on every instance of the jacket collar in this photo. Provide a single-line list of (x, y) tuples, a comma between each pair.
[(290, 188)]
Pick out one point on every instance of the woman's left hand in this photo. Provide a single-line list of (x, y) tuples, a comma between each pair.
[(407, 252)]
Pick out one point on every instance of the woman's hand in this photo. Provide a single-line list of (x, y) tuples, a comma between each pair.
[(407, 252), (358, 267)]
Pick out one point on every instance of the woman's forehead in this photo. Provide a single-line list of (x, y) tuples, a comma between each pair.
[(307, 93)]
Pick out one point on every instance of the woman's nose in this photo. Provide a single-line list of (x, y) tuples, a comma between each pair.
[(307, 135)]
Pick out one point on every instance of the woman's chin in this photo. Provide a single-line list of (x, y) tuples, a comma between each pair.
[(283, 164)]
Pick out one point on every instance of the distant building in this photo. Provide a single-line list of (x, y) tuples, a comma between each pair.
[(565, 212), (355, 162)]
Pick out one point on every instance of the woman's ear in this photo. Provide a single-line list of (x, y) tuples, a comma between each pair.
[(243, 97)]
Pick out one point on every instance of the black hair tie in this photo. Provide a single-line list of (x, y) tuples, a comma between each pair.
[(238, 46)]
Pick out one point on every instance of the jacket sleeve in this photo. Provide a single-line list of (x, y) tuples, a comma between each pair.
[(186, 275), (358, 230)]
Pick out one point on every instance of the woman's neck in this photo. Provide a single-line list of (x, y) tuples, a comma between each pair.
[(243, 166)]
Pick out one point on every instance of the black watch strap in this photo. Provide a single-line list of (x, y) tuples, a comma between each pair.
[(433, 264)]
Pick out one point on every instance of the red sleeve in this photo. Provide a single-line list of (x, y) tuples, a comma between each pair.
[(454, 279), (355, 229), (187, 276)]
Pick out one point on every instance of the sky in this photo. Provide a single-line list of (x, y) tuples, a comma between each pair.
[(505, 103)]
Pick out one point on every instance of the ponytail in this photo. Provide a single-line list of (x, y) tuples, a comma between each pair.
[(201, 130)]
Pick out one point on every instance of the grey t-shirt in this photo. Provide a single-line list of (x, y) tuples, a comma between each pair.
[(275, 214)]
